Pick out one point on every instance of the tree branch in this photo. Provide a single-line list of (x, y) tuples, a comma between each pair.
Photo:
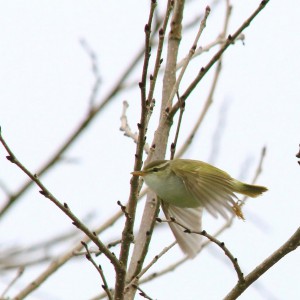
[(290, 245), (216, 57), (64, 207)]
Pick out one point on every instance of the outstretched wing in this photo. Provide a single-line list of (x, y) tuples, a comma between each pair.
[(209, 185), (190, 243)]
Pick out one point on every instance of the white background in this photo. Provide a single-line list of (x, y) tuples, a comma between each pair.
[(45, 84)]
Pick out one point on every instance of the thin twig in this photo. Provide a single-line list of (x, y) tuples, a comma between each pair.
[(127, 236), (158, 60), (95, 69), (136, 279), (18, 275), (230, 40), (188, 141), (174, 144), (142, 293), (126, 128), (59, 261), (202, 49), (64, 207), (99, 269), (189, 56), (41, 245), (209, 99), (87, 120), (215, 241)]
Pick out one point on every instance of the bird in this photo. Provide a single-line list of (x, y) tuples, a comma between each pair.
[(186, 187)]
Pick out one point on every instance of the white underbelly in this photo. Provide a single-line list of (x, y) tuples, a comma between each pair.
[(173, 191)]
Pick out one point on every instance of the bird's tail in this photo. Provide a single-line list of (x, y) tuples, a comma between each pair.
[(249, 189)]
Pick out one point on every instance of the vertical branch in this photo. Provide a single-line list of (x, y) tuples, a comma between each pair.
[(189, 56), (160, 141), (158, 59), (127, 234), (209, 99), (174, 144)]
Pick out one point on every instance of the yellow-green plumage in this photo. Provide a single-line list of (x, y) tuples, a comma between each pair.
[(186, 186)]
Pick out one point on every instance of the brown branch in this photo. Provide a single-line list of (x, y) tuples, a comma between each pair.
[(136, 279), (142, 293), (63, 259), (64, 207), (209, 99), (290, 245), (174, 144), (217, 242), (127, 234), (159, 145), (189, 56), (230, 40), (202, 49), (158, 60), (87, 120), (99, 269)]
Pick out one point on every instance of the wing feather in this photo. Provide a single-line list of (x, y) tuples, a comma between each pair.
[(189, 217), (212, 187)]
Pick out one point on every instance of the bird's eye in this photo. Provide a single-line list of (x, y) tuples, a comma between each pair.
[(155, 169)]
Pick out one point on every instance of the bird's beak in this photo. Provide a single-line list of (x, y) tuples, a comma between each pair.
[(138, 173)]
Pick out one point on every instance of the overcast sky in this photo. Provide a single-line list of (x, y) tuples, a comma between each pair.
[(45, 85)]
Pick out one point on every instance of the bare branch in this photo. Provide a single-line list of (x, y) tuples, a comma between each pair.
[(216, 57), (64, 207), (215, 241), (189, 57), (209, 99), (127, 234), (160, 142), (136, 279), (125, 127), (95, 70), (99, 269), (142, 293), (87, 120), (290, 245), (200, 50), (18, 275)]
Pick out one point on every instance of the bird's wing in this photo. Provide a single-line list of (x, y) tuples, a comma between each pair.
[(190, 243), (211, 186)]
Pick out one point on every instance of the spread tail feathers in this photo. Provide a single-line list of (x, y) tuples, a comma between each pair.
[(190, 243)]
